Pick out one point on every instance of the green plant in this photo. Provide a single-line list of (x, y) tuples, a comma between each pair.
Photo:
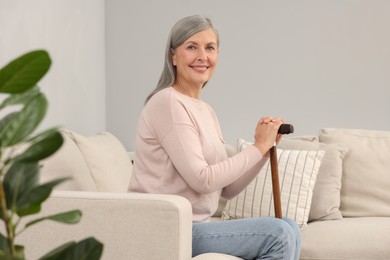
[(21, 149)]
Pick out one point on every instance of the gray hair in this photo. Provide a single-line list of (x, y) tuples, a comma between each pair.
[(181, 31)]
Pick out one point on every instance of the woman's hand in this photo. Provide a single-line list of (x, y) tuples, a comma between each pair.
[(266, 133)]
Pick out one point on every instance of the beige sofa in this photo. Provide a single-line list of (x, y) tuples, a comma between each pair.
[(347, 215)]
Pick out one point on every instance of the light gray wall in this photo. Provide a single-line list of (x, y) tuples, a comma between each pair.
[(317, 63), (322, 63), (72, 31)]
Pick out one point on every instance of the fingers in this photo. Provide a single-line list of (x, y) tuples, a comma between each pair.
[(266, 133), (278, 138), (269, 119)]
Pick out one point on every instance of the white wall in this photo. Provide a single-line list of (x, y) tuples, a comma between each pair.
[(323, 63), (73, 31), (316, 63)]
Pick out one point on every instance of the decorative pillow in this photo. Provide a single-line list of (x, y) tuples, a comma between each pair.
[(366, 166), (107, 160), (68, 162), (325, 204), (298, 170)]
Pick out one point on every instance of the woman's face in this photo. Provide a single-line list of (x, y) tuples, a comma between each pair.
[(195, 60)]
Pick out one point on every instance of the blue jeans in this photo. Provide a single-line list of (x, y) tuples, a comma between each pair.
[(250, 238)]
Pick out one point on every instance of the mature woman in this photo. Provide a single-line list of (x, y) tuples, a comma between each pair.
[(180, 150)]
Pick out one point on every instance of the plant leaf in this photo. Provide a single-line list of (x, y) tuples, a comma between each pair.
[(23, 123), (3, 244), (24, 72), (29, 202), (87, 249), (58, 252), (19, 179), (23, 194), (19, 253), (42, 135), (47, 144), (69, 217), (5, 121), (20, 98), (5, 252)]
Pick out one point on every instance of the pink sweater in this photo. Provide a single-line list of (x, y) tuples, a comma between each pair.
[(180, 150)]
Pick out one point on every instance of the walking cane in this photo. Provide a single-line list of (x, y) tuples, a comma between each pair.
[(283, 129)]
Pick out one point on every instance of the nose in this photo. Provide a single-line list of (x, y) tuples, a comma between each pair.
[(202, 55)]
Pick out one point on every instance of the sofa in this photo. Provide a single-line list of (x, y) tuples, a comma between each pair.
[(343, 207)]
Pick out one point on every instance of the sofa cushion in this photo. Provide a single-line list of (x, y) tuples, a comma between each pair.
[(68, 162), (297, 175), (325, 203), (366, 180), (107, 160), (349, 238)]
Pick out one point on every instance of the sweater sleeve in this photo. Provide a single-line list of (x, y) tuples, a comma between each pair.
[(184, 148), (236, 187)]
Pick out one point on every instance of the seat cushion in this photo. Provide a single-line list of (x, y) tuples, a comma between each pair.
[(349, 238)]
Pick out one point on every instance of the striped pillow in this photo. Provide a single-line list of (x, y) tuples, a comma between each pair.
[(297, 175)]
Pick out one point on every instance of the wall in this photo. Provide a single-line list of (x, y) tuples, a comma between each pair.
[(315, 63), (72, 31)]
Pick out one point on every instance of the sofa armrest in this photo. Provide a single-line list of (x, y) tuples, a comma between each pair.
[(130, 225)]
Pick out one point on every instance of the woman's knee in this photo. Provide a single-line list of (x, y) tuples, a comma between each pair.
[(283, 230), (294, 226), (286, 228), (285, 237), (284, 225)]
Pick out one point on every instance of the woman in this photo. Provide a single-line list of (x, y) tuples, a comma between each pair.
[(180, 150)]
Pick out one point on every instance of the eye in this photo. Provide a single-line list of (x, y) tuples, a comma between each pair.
[(191, 47), (211, 47)]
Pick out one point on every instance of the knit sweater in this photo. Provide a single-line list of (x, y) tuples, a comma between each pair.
[(180, 150)]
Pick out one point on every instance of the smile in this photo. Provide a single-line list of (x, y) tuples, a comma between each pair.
[(200, 69)]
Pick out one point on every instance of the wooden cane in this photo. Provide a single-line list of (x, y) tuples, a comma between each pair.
[(284, 129)]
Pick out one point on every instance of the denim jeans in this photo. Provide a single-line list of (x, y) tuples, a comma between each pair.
[(251, 238)]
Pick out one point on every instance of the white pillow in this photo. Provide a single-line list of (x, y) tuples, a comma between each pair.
[(107, 160), (68, 162), (366, 167), (325, 203), (298, 170)]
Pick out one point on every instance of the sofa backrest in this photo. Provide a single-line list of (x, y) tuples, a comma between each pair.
[(356, 162), (94, 163)]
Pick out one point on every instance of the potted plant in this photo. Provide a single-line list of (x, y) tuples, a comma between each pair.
[(21, 149)]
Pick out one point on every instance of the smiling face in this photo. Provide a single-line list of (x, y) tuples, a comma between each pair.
[(195, 60)]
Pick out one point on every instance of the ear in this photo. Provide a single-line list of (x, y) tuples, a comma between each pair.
[(173, 57)]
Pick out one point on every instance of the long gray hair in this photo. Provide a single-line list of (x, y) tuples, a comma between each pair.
[(181, 31)]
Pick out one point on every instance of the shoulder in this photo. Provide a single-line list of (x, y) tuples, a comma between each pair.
[(165, 105), (160, 97), (161, 102), (169, 98)]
